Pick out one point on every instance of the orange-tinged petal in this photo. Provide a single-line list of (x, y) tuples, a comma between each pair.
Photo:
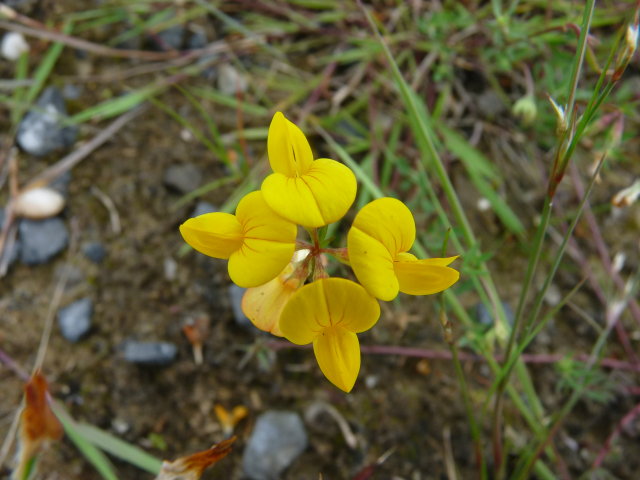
[(372, 264), (215, 234), (337, 351), (288, 148), (268, 243), (316, 198), (423, 277), (263, 305), (390, 222), (326, 303)]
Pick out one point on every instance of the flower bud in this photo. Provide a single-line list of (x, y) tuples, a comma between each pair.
[(525, 109)]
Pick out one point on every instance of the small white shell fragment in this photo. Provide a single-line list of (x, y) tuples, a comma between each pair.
[(39, 203), (13, 45)]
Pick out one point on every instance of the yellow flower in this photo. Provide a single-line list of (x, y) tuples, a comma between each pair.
[(378, 241), (309, 192), (263, 305), (329, 312), (257, 242)]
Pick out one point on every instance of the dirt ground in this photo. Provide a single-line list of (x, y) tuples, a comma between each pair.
[(408, 406)]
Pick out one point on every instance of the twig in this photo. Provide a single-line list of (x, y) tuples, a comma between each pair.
[(114, 217), (7, 234), (45, 33), (626, 420), (531, 358), (600, 244), (67, 163), (449, 462), (55, 303)]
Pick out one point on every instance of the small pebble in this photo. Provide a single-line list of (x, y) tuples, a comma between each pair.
[(230, 80), (197, 40), (278, 438), (183, 178), (149, 353), (94, 251), (171, 38), (71, 92), (74, 320), (485, 317), (41, 131), (203, 207), (41, 240), (170, 268), (235, 296)]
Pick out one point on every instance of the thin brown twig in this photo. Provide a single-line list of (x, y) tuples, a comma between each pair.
[(28, 26), (531, 358), (626, 420), (55, 301), (600, 244), (68, 162)]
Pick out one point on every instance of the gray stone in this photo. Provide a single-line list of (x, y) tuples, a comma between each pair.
[(41, 131), (278, 438), (197, 40), (203, 207), (183, 178), (230, 80), (485, 317), (71, 92), (235, 297), (94, 251), (149, 353), (171, 38), (490, 104), (41, 240), (74, 320)]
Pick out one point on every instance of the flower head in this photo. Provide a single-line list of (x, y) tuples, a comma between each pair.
[(257, 242), (309, 192), (378, 243), (330, 312)]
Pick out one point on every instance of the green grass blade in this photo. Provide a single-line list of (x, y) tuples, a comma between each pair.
[(98, 459), (119, 448), (113, 107)]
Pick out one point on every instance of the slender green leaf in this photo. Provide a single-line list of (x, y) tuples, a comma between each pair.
[(119, 448), (90, 452)]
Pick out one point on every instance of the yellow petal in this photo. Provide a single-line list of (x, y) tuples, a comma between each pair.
[(326, 303), (288, 148), (263, 305), (390, 222), (215, 234), (337, 351), (423, 277), (372, 265), (320, 196), (268, 243)]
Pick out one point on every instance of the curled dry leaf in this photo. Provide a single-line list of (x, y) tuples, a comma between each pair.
[(38, 203), (38, 424), (192, 466)]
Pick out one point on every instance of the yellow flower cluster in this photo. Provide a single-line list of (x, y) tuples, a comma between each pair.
[(260, 241)]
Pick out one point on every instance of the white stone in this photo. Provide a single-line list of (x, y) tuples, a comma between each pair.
[(39, 203), (13, 45)]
